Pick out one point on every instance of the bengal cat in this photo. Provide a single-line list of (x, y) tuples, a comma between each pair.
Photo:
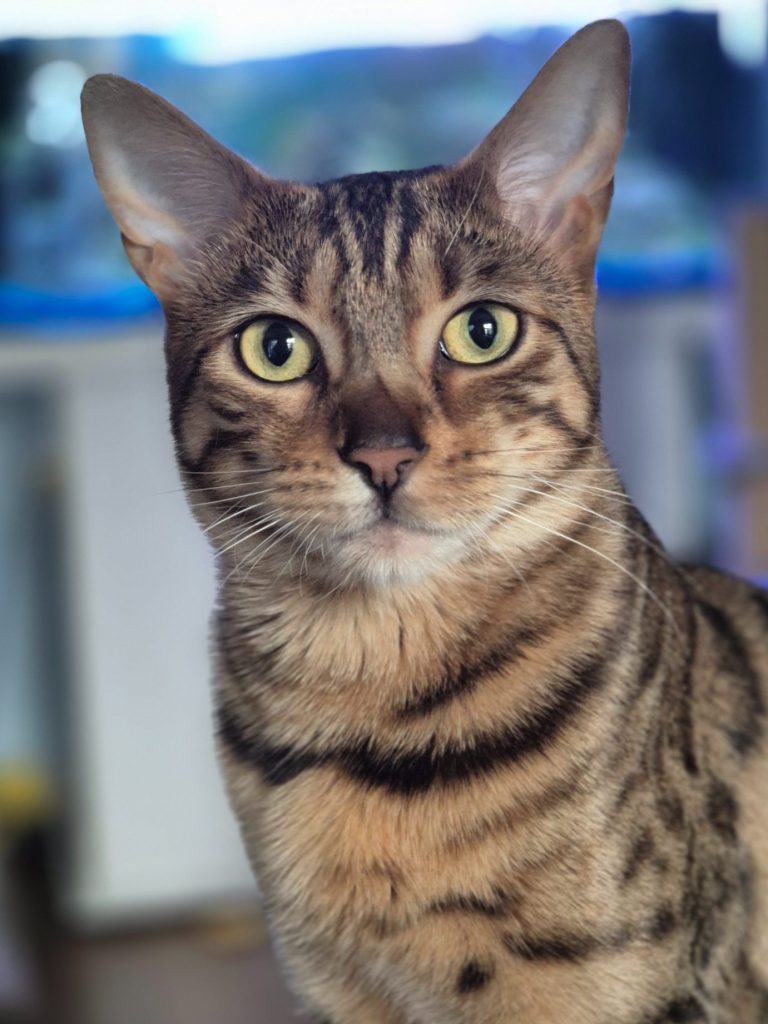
[(495, 756)]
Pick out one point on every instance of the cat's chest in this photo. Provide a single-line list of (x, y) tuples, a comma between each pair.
[(344, 855), (357, 862)]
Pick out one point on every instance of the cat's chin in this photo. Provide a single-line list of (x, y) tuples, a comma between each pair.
[(388, 552)]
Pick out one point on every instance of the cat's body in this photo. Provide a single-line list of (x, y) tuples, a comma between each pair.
[(496, 759), (553, 836)]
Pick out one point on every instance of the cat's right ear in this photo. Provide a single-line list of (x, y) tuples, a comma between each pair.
[(169, 185)]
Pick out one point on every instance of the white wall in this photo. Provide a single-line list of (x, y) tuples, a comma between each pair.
[(151, 831)]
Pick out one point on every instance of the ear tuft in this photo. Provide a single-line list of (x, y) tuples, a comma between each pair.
[(169, 185)]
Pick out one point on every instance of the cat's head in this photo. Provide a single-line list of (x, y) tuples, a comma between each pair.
[(370, 377)]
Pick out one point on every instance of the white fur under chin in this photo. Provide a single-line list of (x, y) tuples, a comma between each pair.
[(389, 554)]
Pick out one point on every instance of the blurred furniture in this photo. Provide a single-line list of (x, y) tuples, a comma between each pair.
[(147, 827)]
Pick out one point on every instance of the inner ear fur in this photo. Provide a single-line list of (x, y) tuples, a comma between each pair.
[(169, 185), (552, 157)]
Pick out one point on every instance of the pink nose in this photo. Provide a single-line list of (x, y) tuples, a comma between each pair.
[(383, 466)]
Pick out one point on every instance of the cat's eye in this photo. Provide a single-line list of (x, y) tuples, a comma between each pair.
[(276, 349), (481, 333)]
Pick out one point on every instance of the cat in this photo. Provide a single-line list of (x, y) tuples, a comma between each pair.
[(494, 755)]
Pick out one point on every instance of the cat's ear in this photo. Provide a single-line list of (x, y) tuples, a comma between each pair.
[(169, 185), (552, 157)]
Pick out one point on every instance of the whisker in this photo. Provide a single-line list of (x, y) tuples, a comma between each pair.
[(658, 549), (621, 496), (231, 472), (600, 554), (599, 515), (467, 212), (232, 515), (235, 497), (478, 534), (267, 521), (280, 531), (194, 485), (228, 486), (565, 471), (298, 541), (545, 450), (308, 548), (269, 543)]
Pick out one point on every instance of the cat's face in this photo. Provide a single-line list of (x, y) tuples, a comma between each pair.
[(369, 377), (436, 365)]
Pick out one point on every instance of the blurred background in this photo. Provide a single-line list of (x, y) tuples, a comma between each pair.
[(124, 894)]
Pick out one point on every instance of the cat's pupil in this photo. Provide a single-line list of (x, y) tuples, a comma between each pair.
[(278, 343), (482, 328)]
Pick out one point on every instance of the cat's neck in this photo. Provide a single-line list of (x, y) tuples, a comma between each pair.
[(404, 656)]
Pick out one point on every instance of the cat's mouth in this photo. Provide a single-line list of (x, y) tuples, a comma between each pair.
[(390, 540), (394, 529), (389, 523), (396, 546)]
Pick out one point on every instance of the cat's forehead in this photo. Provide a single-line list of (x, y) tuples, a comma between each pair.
[(391, 237), (363, 250), (371, 220), (383, 247), (369, 254)]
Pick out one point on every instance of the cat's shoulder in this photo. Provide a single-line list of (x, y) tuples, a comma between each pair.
[(721, 593), (721, 586)]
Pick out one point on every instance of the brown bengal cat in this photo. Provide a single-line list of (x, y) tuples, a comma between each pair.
[(496, 758)]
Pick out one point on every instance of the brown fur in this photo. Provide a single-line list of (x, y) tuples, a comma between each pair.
[(509, 765)]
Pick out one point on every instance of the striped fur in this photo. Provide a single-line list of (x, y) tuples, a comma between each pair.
[(510, 763)]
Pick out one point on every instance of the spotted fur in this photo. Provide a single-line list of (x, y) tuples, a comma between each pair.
[(502, 760)]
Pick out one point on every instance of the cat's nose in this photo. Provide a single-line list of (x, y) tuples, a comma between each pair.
[(384, 468)]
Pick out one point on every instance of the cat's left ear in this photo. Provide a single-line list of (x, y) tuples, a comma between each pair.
[(170, 186), (552, 157)]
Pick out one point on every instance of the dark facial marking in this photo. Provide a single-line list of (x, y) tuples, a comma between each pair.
[(411, 218), (449, 266), (581, 373), (653, 649), (329, 227), (473, 977), (366, 199), (219, 440), (671, 812), (374, 419), (181, 391), (246, 279), (232, 415)]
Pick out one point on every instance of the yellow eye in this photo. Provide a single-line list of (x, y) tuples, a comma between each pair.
[(481, 333), (276, 349)]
